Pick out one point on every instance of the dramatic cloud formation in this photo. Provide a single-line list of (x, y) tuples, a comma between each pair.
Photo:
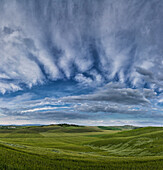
[(115, 93), (74, 60)]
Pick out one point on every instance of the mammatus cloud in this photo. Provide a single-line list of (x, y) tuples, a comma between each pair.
[(90, 42)]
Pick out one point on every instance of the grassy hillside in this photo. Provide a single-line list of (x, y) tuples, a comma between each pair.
[(80, 147), (139, 142)]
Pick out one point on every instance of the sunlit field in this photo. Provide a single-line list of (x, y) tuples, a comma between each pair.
[(80, 147)]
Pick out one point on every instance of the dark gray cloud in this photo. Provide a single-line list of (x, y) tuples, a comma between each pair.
[(74, 108), (95, 107), (144, 72), (117, 94), (53, 115), (155, 78), (44, 114)]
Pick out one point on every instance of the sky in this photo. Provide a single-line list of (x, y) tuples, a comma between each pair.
[(89, 62)]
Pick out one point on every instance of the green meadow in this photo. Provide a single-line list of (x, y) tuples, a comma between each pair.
[(63, 146)]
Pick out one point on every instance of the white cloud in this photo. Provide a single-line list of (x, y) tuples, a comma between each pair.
[(10, 87), (83, 80), (43, 109), (53, 42)]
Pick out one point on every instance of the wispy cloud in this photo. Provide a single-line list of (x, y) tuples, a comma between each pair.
[(111, 51), (90, 42), (113, 101), (116, 93)]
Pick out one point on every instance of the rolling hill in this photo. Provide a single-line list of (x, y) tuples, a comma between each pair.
[(66, 146)]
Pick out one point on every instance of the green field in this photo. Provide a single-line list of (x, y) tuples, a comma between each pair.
[(65, 146)]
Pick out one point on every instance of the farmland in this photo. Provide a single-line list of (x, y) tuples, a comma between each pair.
[(80, 147)]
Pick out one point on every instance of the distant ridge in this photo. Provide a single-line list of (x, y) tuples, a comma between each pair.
[(25, 125)]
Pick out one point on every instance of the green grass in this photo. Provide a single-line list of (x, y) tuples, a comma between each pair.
[(81, 147)]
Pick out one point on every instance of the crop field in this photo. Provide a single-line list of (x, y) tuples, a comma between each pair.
[(63, 146)]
